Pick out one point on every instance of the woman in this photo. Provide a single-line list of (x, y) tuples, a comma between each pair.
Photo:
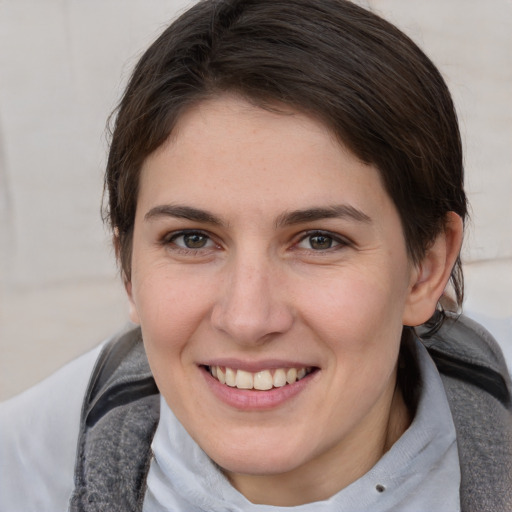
[(285, 190)]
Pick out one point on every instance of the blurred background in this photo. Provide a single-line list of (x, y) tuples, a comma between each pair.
[(63, 65)]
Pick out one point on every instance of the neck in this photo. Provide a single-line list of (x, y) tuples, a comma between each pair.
[(332, 471)]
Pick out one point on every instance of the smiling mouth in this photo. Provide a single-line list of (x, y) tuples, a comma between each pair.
[(261, 381)]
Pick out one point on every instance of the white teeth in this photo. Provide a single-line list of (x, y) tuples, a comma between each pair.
[(279, 378), (291, 375), (262, 381), (230, 377), (244, 380)]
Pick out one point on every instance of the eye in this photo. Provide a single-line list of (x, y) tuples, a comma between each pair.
[(320, 241), (191, 240)]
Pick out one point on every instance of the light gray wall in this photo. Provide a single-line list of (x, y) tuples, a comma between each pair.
[(63, 64)]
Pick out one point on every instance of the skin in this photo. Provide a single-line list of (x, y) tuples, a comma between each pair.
[(264, 281)]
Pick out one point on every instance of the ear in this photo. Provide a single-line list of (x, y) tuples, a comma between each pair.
[(134, 316), (432, 274)]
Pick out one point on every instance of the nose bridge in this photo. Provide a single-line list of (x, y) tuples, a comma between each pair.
[(252, 304)]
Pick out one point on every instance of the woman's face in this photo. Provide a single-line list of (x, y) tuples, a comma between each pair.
[(267, 255)]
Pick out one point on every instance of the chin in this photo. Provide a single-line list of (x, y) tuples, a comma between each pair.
[(258, 460)]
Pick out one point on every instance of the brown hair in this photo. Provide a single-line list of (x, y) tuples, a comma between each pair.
[(374, 88)]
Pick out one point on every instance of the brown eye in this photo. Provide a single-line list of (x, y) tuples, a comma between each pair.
[(195, 240), (320, 242), (192, 240)]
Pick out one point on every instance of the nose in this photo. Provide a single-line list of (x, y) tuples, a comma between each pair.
[(252, 305)]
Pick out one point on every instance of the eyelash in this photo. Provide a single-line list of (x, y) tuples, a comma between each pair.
[(339, 241), (171, 238)]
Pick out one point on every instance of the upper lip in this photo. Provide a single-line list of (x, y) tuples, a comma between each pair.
[(255, 366)]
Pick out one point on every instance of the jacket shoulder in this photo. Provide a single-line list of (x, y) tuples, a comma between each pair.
[(465, 350), (477, 385), (121, 375), (119, 417)]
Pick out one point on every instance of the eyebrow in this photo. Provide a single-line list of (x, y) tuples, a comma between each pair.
[(342, 211), (286, 219), (183, 212)]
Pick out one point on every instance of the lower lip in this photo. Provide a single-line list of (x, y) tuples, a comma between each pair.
[(253, 400)]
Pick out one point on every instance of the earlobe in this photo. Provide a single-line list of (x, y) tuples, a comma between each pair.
[(134, 315), (433, 272)]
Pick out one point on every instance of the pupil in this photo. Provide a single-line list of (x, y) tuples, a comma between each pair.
[(321, 242), (194, 240)]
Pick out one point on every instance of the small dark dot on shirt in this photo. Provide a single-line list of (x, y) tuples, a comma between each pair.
[(380, 488)]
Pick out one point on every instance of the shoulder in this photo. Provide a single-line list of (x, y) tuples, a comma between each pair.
[(120, 415), (477, 385), (466, 351), (38, 439)]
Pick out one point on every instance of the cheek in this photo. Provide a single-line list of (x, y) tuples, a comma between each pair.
[(359, 321), (171, 307), (356, 302), (171, 313), (357, 330)]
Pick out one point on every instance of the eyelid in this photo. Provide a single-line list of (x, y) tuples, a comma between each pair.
[(341, 241), (169, 238)]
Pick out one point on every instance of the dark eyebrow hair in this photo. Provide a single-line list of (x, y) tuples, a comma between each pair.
[(330, 212), (285, 219), (183, 212)]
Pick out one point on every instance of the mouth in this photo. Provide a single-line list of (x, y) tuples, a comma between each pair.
[(263, 380)]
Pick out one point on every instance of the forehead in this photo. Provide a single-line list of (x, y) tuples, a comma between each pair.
[(228, 147)]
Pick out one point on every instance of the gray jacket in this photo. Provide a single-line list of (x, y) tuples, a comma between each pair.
[(121, 412)]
